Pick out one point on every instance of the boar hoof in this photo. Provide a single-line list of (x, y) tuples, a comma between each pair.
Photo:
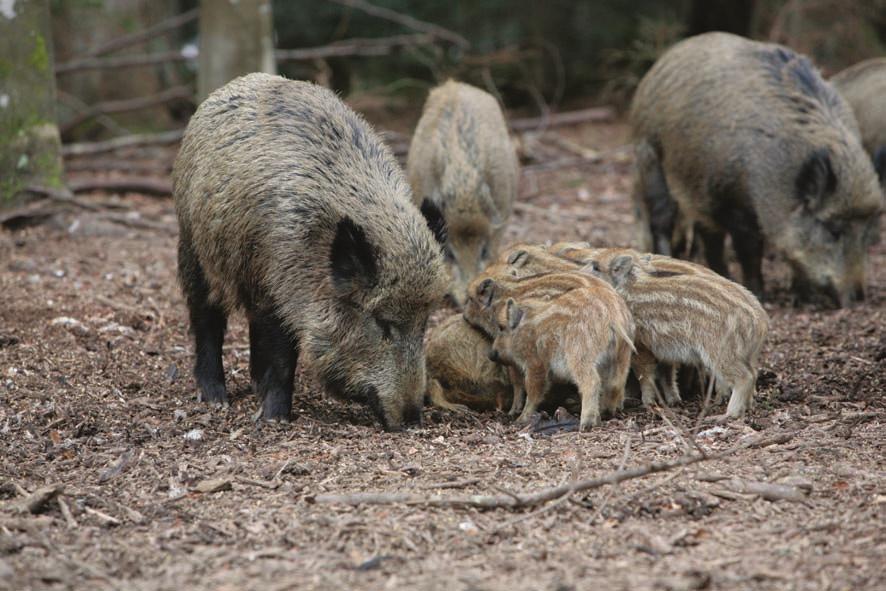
[(213, 394)]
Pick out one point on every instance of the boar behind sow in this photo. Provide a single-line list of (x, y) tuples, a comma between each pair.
[(461, 159), (291, 208), (751, 141), (864, 88)]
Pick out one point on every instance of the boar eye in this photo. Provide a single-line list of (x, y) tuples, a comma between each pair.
[(447, 254), (835, 231), (484, 253), (385, 326)]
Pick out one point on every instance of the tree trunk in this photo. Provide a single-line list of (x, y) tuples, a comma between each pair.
[(236, 38), (30, 150)]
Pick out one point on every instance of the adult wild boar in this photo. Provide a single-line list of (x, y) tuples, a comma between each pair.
[(462, 161), (291, 207), (864, 88), (752, 142)]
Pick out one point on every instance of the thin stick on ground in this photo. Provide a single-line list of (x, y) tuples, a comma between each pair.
[(544, 495)]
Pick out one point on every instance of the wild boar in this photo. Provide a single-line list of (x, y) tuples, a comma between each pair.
[(291, 208), (462, 161), (753, 143), (584, 336), (864, 86), (698, 319), (460, 374)]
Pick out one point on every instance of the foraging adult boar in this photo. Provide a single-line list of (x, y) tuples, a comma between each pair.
[(752, 142), (699, 319), (462, 161), (864, 88), (290, 207), (460, 374), (583, 337)]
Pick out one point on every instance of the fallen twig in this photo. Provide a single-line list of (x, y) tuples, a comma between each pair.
[(124, 184), (514, 500), (66, 513), (35, 502), (766, 490), (127, 141)]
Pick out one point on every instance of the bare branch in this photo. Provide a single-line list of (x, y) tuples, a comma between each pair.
[(354, 47), (593, 115), (123, 106), (123, 61), (544, 495), (406, 21), (164, 26), (131, 184)]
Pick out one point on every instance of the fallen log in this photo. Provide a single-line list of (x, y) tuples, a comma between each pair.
[(128, 141)]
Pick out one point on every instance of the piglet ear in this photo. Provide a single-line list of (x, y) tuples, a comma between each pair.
[(620, 268), (515, 314), (434, 217), (353, 258), (518, 258), (485, 292)]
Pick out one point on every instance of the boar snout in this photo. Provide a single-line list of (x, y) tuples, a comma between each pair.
[(391, 419)]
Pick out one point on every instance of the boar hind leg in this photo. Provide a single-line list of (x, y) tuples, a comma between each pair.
[(437, 397), (712, 240), (588, 381), (615, 380), (742, 399), (208, 323), (656, 211), (272, 357)]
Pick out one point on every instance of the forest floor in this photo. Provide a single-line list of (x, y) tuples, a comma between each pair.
[(161, 492)]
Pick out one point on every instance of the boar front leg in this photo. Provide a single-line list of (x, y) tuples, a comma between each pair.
[(208, 323), (643, 363), (534, 382), (273, 354), (748, 243), (519, 391)]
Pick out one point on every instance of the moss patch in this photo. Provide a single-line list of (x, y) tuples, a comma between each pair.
[(40, 55)]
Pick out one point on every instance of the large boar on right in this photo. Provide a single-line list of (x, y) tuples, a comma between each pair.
[(752, 142), (864, 88), (461, 160)]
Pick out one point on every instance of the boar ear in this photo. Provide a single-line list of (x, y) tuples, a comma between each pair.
[(620, 267), (484, 196), (518, 258), (485, 292), (434, 218), (515, 314), (816, 179), (352, 257)]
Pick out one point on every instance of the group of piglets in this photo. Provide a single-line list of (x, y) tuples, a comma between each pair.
[(570, 313)]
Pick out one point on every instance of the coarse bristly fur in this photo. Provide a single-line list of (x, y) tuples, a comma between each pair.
[(751, 141), (461, 159), (694, 318), (291, 207), (864, 88), (583, 337), (460, 374)]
